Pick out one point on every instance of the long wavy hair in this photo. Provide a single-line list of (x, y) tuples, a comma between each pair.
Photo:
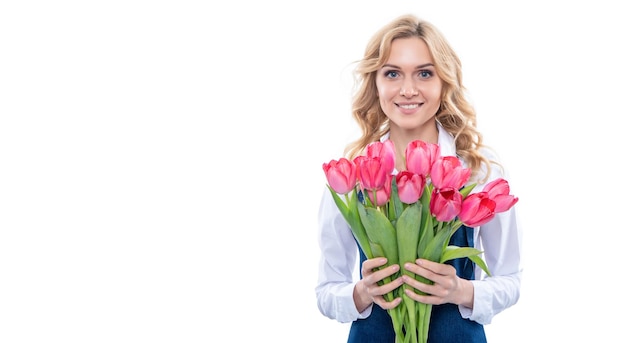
[(455, 114)]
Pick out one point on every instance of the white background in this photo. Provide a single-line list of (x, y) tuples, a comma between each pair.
[(160, 161)]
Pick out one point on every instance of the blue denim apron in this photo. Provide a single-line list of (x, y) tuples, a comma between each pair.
[(446, 323)]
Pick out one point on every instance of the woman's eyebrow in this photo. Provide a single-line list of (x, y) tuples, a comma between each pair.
[(417, 67)]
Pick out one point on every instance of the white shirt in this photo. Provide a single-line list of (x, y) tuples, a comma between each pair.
[(500, 239)]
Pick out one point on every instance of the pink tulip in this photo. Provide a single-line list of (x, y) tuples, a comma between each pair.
[(445, 204), (448, 172), (420, 157), (370, 172), (497, 186), (498, 191), (410, 186), (341, 175), (477, 209), (382, 195), (385, 151)]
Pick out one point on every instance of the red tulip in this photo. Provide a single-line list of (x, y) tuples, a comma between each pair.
[(448, 172), (477, 209), (445, 203), (385, 151), (341, 175), (498, 191), (370, 172), (420, 157), (410, 186)]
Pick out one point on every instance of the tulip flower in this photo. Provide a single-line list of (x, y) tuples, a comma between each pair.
[(477, 209), (448, 172), (341, 175), (420, 157), (498, 190), (445, 204), (370, 172), (410, 186), (385, 151)]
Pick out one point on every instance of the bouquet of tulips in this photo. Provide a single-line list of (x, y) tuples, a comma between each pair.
[(412, 214)]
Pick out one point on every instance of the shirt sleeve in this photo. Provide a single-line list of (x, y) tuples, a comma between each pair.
[(337, 264), (501, 241)]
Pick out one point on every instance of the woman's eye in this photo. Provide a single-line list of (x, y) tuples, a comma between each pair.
[(391, 74), (424, 74)]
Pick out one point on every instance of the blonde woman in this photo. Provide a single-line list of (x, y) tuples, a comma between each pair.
[(410, 87)]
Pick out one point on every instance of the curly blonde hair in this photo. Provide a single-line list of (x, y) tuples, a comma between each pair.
[(456, 114)]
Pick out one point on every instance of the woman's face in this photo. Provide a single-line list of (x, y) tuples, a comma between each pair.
[(408, 87)]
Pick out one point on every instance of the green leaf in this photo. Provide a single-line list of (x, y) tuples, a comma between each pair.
[(396, 207), (435, 247), (427, 232), (454, 226), (479, 262), (377, 250), (380, 231), (343, 208), (467, 189), (452, 252), (408, 231), (351, 215)]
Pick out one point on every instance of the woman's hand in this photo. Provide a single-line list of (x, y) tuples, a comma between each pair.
[(447, 287), (367, 290)]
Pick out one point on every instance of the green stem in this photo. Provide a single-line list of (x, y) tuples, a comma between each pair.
[(410, 318), (396, 320), (423, 314)]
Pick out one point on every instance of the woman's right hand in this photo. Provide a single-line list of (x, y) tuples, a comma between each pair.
[(367, 290)]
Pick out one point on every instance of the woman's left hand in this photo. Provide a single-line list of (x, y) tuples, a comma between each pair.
[(447, 287)]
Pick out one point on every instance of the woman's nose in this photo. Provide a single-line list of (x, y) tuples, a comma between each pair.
[(408, 90)]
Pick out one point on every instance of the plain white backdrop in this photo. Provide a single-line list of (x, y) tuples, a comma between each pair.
[(160, 161)]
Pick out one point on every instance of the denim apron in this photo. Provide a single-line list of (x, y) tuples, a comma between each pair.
[(446, 323)]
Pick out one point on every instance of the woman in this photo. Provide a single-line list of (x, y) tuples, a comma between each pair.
[(410, 87)]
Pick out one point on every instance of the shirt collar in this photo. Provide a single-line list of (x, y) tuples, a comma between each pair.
[(445, 142)]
